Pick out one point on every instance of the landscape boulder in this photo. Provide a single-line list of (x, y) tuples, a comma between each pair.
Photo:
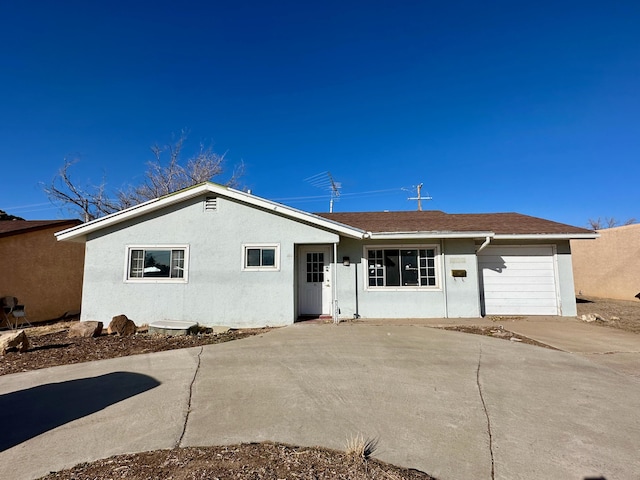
[(89, 328), (592, 317), (14, 340), (121, 325)]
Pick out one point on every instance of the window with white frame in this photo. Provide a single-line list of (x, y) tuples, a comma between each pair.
[(413, 267), (157, 263), (261, 257)]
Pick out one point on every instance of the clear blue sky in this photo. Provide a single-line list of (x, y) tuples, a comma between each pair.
[(527, 106)]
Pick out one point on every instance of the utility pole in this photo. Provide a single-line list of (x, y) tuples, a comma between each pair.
[(419, 198)]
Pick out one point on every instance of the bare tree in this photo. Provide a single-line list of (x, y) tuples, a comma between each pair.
[(89, 201), (608, 222), (4, 216), (94, 201)]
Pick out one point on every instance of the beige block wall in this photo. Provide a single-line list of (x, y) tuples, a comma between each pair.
[(609, 266), (45, 275)]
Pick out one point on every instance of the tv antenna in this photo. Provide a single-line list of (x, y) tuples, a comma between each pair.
[(325, 181), (419, 197)]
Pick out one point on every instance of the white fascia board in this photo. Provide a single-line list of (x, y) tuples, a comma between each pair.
[(547, 236), (79, 232), (294, 213), (427, 235)]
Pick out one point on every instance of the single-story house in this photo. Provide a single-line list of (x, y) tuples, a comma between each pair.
[(218, 256), (609, 267), (45, 275)]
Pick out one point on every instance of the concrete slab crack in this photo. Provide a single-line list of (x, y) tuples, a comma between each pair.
[(486, 414), (186, 417), (606, 353)]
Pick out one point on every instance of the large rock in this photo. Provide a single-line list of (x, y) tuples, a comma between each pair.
[(592, 317), (17, 340), (121, 325), (91, 328)]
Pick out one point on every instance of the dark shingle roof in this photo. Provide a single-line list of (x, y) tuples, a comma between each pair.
[(14, 227), (437, 221)]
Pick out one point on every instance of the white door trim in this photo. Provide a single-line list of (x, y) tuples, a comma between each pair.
[(314, 289)]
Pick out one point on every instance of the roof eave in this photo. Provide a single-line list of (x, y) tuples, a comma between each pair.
[(428, 235), (80, 232), (546, 236), (295, 213)]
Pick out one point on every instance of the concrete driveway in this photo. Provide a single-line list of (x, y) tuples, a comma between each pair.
[(454, 405), (614, 348)]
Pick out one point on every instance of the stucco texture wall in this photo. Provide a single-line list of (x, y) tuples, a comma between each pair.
[(461, 300), (218, 290), (44, 274), (609, 266)]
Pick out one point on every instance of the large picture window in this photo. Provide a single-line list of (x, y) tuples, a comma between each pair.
[(402, 267), (261, 257), (157, 263)]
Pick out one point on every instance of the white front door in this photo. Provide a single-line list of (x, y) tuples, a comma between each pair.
[(314, 280)]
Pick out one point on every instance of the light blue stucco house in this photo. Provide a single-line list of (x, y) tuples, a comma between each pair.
[(218, 256)]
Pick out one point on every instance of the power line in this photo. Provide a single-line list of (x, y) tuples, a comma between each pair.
[(355, 194)]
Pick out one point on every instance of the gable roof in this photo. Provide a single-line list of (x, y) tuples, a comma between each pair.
[(436, 223), (80, 232), (359, 225), (16, 227)]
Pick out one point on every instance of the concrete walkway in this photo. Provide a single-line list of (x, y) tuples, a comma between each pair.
[(454, 405)]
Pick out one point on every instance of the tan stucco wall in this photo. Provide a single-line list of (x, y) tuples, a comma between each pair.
[(609, 266), (45, 275)]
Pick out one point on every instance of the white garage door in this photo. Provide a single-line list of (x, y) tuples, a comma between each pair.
[(518, 280)]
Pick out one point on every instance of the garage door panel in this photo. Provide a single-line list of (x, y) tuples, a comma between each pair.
[(518, 295), (516, 251), (510, 287), (518, 280), (529, 279), (511, 259), (507, 272), (522, 310)]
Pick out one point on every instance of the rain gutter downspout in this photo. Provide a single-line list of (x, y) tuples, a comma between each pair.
[(336, 318), (444, 280), (486, 242)]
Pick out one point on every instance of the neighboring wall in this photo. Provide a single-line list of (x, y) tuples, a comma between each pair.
[(609, 266), (45, 275)]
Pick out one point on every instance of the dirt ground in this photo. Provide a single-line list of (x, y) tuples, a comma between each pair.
[(247, 461), (497, 332), (622, 314), (50, 346)]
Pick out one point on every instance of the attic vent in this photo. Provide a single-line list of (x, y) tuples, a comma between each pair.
[(211, 204)]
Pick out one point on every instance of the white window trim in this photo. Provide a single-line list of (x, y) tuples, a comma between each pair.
[(421, 246), (247, 246), (148, 246)]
